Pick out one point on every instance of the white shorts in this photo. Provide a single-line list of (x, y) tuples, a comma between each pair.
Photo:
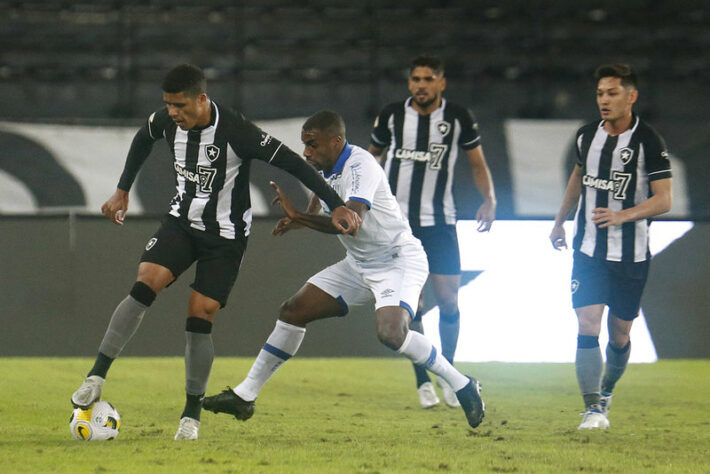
[(393, 281)]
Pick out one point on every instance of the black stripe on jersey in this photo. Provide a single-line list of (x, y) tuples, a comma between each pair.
[(240, 198), (600, 249), (192, 151), (398, 140), (417, 183), (209, 215), (442, 176), (628, 229)]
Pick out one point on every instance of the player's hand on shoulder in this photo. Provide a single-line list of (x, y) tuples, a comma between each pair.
[(116, 206)]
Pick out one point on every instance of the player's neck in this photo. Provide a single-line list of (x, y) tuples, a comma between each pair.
[(618, 126), (206, 117), (428, 109)]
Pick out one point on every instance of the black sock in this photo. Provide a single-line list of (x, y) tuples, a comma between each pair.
[(101, 366), (193, 406)]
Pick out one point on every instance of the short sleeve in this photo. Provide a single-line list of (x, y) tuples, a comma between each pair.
[(381, 134), (469, 138), (360, 180), (658, 166)]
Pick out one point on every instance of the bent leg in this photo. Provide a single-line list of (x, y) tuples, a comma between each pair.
[(392, 331), (127, 316), (588, 360), (416, 325), (308, 304)]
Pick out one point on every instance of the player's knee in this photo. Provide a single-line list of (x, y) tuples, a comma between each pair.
[(143, 293), (203, 308), (391, 332), (289, 312), (619, 341)]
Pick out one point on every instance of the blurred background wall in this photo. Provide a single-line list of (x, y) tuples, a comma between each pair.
[(70, 71)]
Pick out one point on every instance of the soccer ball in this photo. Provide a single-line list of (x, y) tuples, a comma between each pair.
[(100, 422)]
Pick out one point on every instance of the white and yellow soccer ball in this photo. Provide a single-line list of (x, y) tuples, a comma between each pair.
[(99, 423)]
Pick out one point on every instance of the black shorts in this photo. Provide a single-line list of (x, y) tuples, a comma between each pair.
[(618, 285), (176, 246), (441, 245)]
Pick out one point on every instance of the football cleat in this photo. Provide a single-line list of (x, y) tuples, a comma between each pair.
[(427, 395), (229, 402), (448, 393), (605, 402), (189, 428), (88, 393), (593, 419), (470, 399)]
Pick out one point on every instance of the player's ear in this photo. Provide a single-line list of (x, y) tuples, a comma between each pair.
[(633, 96), (443, 83)]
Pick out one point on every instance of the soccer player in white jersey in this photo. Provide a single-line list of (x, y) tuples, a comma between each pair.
[(621, 179), (384, 264)]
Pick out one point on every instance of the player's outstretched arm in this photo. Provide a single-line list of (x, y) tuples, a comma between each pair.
[(320, 223), (116, 206)]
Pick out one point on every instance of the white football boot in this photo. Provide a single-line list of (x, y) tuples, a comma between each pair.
[(88, 393), (594, 420), (427, 395), (448, 393), (189, 428)]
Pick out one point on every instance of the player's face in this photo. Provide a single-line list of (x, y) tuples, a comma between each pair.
[(614, 100), (426, 86), (320, 149), (186, 111)]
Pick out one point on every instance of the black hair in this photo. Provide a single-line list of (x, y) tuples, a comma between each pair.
[(185, 78), (427, 60), (326, 121), (622, 71)]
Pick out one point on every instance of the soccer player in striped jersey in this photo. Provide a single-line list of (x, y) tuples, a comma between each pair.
[(208, 223), (424, 135), (622, 178), (384, 265)]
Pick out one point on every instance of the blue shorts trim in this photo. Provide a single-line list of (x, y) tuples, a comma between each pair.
[(408, 308), (344, 305)]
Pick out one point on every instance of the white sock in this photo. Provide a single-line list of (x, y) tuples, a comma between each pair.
[(419, 350), (281, 345)]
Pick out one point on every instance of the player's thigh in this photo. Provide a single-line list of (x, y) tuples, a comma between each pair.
[(170, 248), (218, 264), (589, 319), (442, 248), (590, 282), (343, 282), (310, 303), (628, 282), (398, 282), (446, 289)]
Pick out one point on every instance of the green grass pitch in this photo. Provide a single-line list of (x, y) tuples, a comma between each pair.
[(357, 415)]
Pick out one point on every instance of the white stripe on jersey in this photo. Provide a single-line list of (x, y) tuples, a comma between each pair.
[(642, 186), (180, 147), (593, 156), (406, 167)]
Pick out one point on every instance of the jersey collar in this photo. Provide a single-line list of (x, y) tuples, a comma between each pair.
[(340, 164)]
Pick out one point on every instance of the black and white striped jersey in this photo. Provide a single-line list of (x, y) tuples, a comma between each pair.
[(616, 174), (422, 155), (212, 168)]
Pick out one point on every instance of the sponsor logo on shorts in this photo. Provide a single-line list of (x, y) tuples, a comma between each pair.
[(574, 286), (151, 243), (388, 293)]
